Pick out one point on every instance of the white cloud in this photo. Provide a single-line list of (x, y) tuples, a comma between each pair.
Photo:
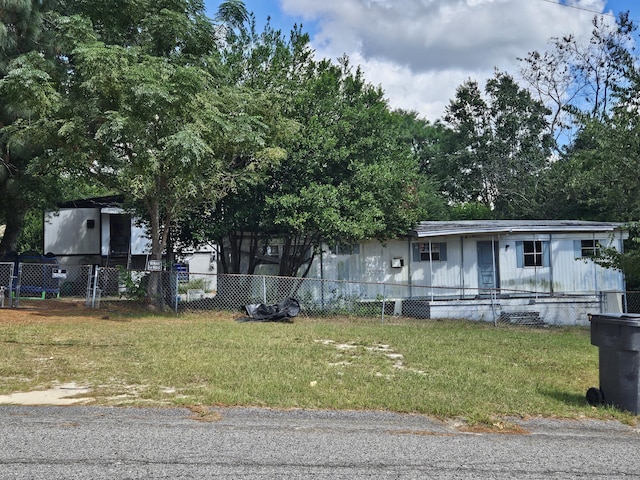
[(419, 51)]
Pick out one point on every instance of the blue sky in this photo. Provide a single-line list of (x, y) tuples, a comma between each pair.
[(419, 51)]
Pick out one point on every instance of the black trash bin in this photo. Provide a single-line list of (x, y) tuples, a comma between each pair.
[(617, 336)]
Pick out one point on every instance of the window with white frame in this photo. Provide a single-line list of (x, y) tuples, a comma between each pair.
[(588, 248), (345, 249), (429, 251), (532, 253)]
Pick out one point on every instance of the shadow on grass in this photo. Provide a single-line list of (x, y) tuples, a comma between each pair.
[(568, 398), (70, 308)]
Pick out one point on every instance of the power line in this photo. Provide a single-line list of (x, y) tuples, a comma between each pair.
[(582, 8)]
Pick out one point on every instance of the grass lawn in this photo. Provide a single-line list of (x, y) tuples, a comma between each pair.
[(447, 369)]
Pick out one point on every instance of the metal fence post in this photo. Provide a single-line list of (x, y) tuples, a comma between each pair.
[(95, 288), (384, 300), (494, 300), (601, 301), (87, 292), (176, 294), (16, 301), (264, 289)]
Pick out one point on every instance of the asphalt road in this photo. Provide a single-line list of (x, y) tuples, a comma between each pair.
[(126, 443)]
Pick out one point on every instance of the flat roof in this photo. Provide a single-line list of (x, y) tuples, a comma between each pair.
[(96, 202), (469, 227)]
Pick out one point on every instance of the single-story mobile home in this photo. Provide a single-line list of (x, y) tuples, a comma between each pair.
[(98, 231), (535, 256), (496, 261), (95, 231), (492, 267)]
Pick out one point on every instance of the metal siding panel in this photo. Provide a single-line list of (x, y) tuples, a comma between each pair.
[(66, 232), (105, 235), (140, 242), (573, 275), (569, 275), (446, 273)]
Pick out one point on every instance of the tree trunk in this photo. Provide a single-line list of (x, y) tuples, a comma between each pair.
[(155, 299), (297, 252), (232, 252), (14, 217)]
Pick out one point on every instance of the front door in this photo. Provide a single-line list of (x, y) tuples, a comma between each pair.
[(120, 235), (488, 277)]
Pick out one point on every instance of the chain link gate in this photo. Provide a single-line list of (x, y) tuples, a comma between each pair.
[(7, 276), (42, 281)]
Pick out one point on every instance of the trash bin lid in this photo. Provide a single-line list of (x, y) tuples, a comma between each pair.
[(628, 319)]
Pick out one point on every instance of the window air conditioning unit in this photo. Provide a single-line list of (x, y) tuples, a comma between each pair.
[(397, 262)]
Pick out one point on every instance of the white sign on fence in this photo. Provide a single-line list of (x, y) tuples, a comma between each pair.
[(154, 265), (58, 273)]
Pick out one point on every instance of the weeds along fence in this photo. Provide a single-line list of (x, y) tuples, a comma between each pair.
[(184, 292)]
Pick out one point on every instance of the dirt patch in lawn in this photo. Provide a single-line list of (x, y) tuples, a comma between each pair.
[(30, 311), (66, 394), (33, 310)]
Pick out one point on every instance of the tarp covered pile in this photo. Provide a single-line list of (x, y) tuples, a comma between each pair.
[(280, 312)]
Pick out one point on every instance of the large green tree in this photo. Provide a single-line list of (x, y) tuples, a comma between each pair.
[(350, 172), (597, 179), (496, 147), (151, 115), (578, 77), (347, 177), (595, 175), (29, 99), (270, 63)]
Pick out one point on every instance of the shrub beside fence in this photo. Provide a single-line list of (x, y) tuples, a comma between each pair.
[(183, 291)]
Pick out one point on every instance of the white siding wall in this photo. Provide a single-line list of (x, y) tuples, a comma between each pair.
[(106, 234), (372, 264), (565, 274), (140, 241), (67, 232), (526, 279), (573, 275), (443, 273)]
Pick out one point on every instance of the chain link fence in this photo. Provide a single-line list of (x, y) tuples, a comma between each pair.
[(185, 292), (42, 281), (6, 282), (633, 302)]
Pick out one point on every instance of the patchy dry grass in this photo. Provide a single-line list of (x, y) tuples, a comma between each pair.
[(448, 369)]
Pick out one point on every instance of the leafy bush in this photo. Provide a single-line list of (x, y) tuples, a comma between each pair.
[(196, 284), (135, 284)]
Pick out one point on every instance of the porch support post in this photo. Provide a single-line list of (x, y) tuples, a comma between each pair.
[(494, 293), (535, 264), (431, 268), (595, 270), (493, 259), (409, 262), (462, 264), (551, 293)]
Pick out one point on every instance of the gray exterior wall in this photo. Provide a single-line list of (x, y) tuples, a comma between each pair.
[(564, 273), (69, 232)]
